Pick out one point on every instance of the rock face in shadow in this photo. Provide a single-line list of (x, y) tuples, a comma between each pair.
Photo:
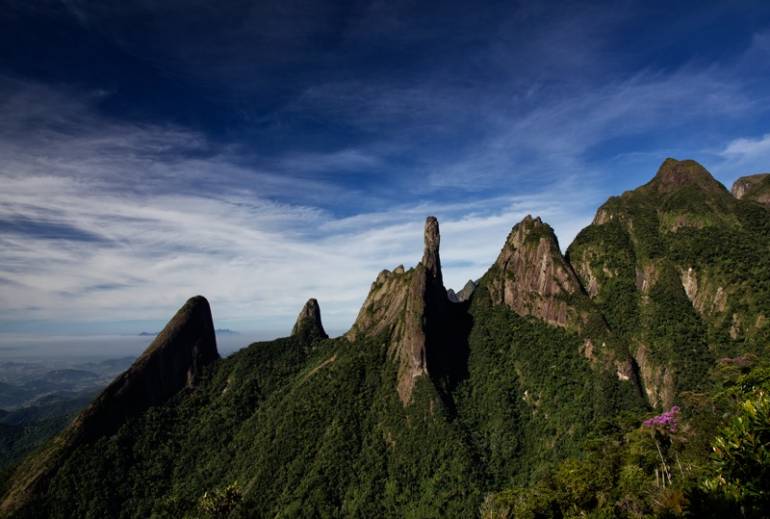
[(405, 305), (308, 326), (753, 187), (532, 277), (172, 362)]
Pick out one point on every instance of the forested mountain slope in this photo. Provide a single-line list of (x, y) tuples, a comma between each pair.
[(535, 395)]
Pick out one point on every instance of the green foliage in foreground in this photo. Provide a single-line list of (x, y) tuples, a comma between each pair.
[(741, 459), (620, 472)]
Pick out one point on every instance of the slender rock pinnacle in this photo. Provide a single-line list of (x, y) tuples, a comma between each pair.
[(430, 258)]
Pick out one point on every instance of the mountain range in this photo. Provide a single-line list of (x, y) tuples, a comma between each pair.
[(595, 382)]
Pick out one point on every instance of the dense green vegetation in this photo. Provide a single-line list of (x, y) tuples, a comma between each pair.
[(629, 469), (303, 430), (289, 429), (530, 396), (667, 416), (608, 251), (638, 255), (25, 429), (317, 429), (18, 440)]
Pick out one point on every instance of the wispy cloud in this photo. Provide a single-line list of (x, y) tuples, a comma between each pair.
[(111, 221), (748, 149), (520, 111)]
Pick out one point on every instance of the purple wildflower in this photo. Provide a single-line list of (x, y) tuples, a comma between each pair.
[(666, 421)]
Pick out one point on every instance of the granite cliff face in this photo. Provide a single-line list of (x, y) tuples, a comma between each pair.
[(308, 326), (405, 305), (531, 276), (753, 187), (173, 361), (464, 294)]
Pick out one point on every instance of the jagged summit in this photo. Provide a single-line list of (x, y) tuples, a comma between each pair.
[(532, 277), (464, 294), (674, 174), (308, 325), (753, 187)]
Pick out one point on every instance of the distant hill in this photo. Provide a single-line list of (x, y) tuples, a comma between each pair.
[(27, 428), (219, 331)]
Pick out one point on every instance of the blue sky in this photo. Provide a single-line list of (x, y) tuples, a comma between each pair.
[(264, 154)]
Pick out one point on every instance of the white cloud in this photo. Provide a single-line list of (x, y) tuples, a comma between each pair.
[(744, 149), (151, 225), (255, 260), (140, 227)]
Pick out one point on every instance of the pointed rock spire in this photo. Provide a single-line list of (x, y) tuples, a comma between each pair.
[(467, 291), (308, 325), (402, 305), (430, 257), (174, 360)]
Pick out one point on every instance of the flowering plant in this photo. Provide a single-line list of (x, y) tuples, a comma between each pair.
[(667, 421), (663, 428)]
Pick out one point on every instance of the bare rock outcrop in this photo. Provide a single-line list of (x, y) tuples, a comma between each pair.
[(403, 305), (753, 187), (308, 326), (430, 257), (532, 277), (464, 294), (708, 299), (657, 379)]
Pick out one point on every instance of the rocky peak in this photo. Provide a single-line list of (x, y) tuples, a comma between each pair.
[(464, 294), (529, 229), (308, 325), (430, 257), (674, 174), (753, 187), (402, 305), (532, 277), (173, 361), (467, 290)]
